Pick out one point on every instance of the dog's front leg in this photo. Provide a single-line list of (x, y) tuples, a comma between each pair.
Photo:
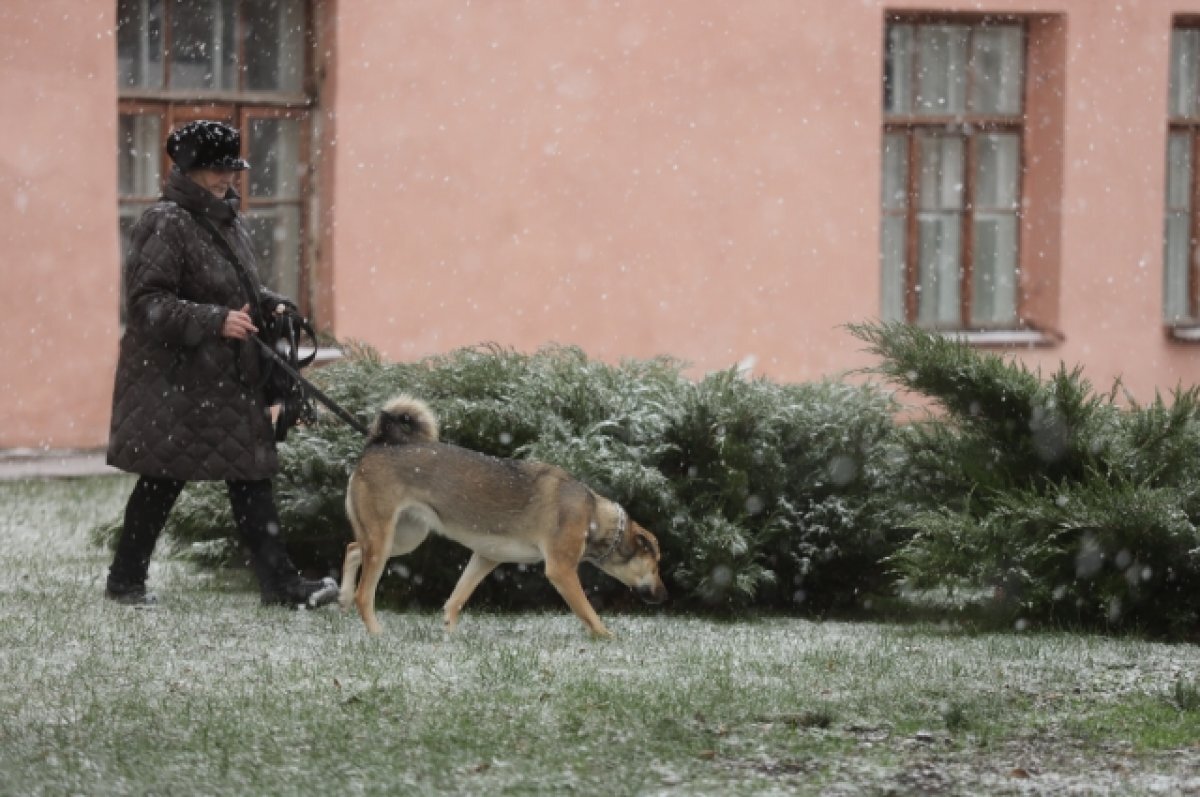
[(565, 579), (475, 572)]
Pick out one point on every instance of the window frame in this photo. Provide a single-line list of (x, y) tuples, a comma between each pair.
[(176, 107), (970, 126), (1186, 329)]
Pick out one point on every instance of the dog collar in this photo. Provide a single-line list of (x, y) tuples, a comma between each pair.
[(622, 521)]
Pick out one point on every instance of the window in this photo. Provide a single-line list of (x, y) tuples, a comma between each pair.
[(1180, 290), (952, 143), (239, 61)]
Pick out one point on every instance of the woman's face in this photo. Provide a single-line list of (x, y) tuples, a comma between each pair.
[(215, 181)]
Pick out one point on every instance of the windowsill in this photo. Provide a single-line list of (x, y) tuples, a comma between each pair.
[(1027, 338), (325, 354), (1184, 333)]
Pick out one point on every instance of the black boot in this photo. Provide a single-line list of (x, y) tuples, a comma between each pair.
[(145, 515), (279, 582), (129, 594)]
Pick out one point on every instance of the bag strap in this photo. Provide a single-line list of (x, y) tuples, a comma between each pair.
[(293, 327), (255, 300)]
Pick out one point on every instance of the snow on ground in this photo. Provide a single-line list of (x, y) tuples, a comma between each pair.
[(784, 702)]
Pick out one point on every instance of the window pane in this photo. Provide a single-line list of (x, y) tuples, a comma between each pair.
[(941, 69), (892, 248), (894, 233), (997, 159), (898, 69), (1175, 282), (274, 154), (939, 269), (997, 56), (994, 273), (274, 46), (139, 44), (1177, 244), (203, 54), (994, 231), (138, 155), (276, 235), (941, 172), (939, 225), (1179, 171), (1185, 64), (895, 171)]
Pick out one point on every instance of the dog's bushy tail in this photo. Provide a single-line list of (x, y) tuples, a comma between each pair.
[(404, 419)]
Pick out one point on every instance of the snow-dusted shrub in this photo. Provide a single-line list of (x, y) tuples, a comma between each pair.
[(760, 494), (1063, 505), (781, 488)]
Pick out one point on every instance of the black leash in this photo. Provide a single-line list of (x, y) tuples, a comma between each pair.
[(255, 306)]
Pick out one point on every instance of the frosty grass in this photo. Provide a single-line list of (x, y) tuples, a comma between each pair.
[(211, 694)]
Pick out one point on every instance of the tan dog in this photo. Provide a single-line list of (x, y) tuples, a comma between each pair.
[(408, 484)]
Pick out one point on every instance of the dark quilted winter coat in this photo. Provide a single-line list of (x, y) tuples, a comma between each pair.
[(187, 402)]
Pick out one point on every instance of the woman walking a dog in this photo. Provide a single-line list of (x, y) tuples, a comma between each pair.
[(188, 400)]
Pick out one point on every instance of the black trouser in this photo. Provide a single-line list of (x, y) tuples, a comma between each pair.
[(146, 514)]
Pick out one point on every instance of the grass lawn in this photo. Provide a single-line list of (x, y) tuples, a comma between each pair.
[(211, 694)]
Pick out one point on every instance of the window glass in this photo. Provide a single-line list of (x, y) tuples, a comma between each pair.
[(1177, 238), (892, 249), (893, 244), (139, 44), (895, 171), (996, 69), (939, 227), (898, 70), (274, 47), (203, 53), (994, 234), (1176, 279), (941, 174), (1179, 171), (998, 157), (274, 155), (1185, 70), (941, 69), (994, 269), (938, 268), (139, 154), (276, 235)]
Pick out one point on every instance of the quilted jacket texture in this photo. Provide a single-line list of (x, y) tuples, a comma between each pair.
[(186, 401)]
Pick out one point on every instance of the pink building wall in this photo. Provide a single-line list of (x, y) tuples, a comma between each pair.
[(695, 178), (58, 222)]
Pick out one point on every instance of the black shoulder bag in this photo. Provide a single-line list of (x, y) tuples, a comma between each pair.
[(280, 334)]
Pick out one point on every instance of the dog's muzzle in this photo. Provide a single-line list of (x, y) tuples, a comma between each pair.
[(652, 593)]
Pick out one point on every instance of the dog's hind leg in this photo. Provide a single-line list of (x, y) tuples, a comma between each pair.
[(350, 567), (475, 572), (353, 560)]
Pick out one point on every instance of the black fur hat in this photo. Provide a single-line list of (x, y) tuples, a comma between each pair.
[(206, 145)]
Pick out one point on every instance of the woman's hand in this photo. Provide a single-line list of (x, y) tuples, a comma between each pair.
[(238, 325)]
